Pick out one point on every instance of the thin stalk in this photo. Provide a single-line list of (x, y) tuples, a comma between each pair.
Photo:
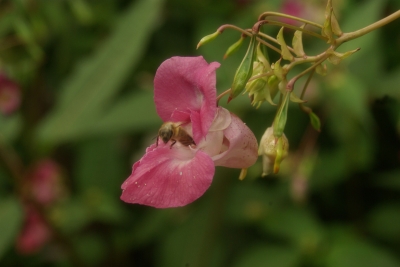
[(266, 36), (223, 94), (269, 45), (301, 105), (289, 26), (292, 81), (353, 35), (306, 84), (277, 14), (230, 26)]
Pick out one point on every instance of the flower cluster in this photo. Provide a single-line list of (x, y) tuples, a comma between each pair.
[(44, 186)]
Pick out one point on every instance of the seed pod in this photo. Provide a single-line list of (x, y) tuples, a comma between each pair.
[(245, 70)]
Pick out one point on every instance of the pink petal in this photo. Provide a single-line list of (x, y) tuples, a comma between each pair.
[(187, 84), (222, 120), (241, 146), (10, 95), (34, 234), (169, 177)]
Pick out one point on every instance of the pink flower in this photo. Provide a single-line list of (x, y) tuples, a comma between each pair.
[(303, 9), (35, 233), (10, 95), (173, 176), (46, 182)]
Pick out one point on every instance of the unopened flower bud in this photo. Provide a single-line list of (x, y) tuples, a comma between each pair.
[(208, 38), (233, 48), (273, 150), (281, 116), (259, 89)]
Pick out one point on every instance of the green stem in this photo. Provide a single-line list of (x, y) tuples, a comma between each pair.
[(358, 33), (301, 105), (230, 26), (269, 45), (277, 14), (289, 26), (292, 81), (266, 36), (223, 94)]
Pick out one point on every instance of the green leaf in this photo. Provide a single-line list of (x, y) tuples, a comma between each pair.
[(389, 180), (10, 222), (99, 166), (96, 81), (284, 48), (10, 127), (297, 43), (125, 115), (351, 252), (327, 27), (380, 221), (91, 248), (187, 244), (322, 179), (265, 256), (336, 57), (321, 69), (298, 226), (315, 121)]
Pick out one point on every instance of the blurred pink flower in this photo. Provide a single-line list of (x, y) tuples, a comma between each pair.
[(303, 9), (173, 176), (10, 95), (46, 182), (34, 235)]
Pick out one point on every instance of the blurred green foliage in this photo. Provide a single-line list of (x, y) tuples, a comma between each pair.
[(85, 70)]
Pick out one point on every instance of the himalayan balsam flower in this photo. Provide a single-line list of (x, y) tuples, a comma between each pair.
[(35, 233), (173, 176), (46, 183), (10, 95), (45, 186)]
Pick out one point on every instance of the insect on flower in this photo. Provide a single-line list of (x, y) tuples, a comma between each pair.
[(173, 131)]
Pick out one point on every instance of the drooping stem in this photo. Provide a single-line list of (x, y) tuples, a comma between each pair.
[(292, 81), (301, 105), (223, 94), (230, 26), (358, 33), (277, 14), (269, 45), (266, 36), (289, 26), (307, 83)]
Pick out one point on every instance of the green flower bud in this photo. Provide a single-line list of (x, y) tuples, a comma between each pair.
[(208, 38), (273, 150), (281, 116), (233, 48), (259, 89), (245, 70)]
